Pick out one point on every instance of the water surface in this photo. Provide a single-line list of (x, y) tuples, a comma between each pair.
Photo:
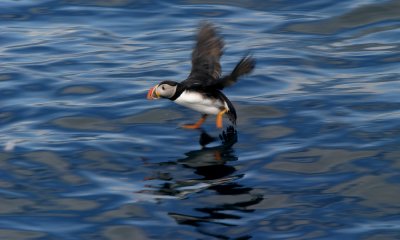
[(84, 155)]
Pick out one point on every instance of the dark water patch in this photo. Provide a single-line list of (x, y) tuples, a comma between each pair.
[(17, 234), (72, 65), (80, 90), (35, 49), (85, 123), (9, 76), (360, 16), (376, 107), (83, 154), (6, 116), (149, 74), (316, 160), (123, 232), (152, 116)]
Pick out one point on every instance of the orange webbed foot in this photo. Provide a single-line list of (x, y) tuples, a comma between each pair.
[(219, 118), (190, 126), (197, 124)]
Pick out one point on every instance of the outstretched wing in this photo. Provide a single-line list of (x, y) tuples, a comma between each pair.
[(205, 57)]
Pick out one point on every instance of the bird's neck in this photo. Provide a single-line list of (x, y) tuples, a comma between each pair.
[(178, 92)]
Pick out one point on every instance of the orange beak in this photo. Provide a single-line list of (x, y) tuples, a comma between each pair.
[(152, 94)]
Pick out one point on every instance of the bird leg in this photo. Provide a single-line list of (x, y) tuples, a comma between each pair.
[(219, 118), (197, 124)]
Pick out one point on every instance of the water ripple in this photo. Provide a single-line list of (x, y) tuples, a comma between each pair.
[(85, 156)]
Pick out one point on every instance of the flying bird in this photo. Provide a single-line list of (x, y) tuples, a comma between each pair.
[(202, 90)]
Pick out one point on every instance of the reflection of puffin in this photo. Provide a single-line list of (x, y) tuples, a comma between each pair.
[(201, 91), (207, 184)]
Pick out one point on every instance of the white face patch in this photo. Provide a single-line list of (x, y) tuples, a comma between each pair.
[(166, 90), (199, 103)]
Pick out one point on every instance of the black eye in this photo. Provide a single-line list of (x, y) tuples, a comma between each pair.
[(163, 88)]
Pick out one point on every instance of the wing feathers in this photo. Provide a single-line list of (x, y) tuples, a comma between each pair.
[(206, 67), (206, 55)]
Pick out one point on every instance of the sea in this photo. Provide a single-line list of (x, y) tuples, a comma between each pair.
[(315, 153)]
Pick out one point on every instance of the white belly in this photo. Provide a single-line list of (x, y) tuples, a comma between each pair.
[(195, 101)]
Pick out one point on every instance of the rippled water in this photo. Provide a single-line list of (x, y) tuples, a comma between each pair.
[(85, 156)]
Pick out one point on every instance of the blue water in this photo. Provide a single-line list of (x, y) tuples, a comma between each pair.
[(83, 154)]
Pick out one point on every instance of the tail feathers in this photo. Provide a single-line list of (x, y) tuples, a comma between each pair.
[(245, 66)]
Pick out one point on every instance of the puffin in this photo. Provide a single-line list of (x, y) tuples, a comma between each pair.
[(202, 89)]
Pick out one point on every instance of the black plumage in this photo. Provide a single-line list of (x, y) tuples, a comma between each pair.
[(206, 67), (206, 77)]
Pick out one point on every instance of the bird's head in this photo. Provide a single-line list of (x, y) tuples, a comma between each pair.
[(165, 89)]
